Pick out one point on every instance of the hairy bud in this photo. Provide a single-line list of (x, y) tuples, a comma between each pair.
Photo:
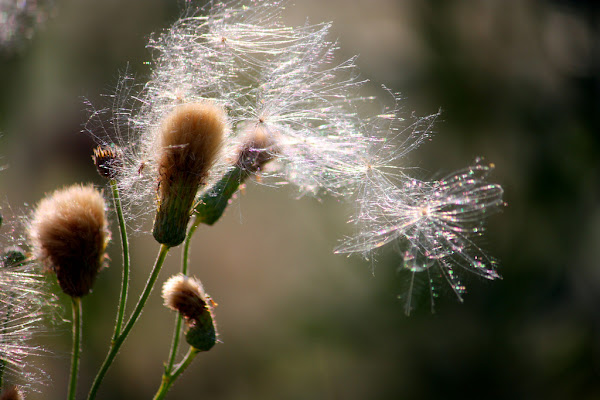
[(190, 139), (186, 296), (69, 233)]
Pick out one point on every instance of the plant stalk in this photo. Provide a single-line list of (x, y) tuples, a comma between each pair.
[(126, 259), (116, 344), (75, 355), (169, 378), (179, 320)]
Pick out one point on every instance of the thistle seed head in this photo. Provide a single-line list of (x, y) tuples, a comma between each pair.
[(257, 149), (189, 142), (69, 233), (107, 161), (186, 296)]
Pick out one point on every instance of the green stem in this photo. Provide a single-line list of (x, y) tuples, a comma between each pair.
[(186, 247), (116, 344), (77, 322), (168, 379), (179, 319), (125, 246), (208, 211)]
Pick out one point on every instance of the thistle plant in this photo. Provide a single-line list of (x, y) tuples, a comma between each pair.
[(236, 94)]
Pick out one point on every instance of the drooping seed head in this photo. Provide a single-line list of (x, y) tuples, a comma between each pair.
[(189, 142), (69, 233), (186, 296)]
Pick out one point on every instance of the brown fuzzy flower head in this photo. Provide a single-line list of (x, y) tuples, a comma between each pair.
[(69, 233), (186, 296), (11, 393), (190, 139), (256, 150)]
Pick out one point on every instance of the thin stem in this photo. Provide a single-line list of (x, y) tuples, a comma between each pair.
[(125, 246), (116, 344), (168, 379), (174, 344), (184, 270), (77, 322), (207, 211), (186, 246)]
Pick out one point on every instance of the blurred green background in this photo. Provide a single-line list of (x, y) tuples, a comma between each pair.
[(518, 83)]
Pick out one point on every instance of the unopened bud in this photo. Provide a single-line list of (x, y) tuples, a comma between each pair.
[(69, 233), (190, 139)]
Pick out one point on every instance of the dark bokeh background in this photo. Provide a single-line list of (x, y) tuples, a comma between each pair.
[(518, 83)]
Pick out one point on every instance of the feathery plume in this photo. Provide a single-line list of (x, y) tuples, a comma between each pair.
[(284, 83), (435, 222)]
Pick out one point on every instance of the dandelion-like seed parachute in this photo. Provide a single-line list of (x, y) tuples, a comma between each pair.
[(436, 223)]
